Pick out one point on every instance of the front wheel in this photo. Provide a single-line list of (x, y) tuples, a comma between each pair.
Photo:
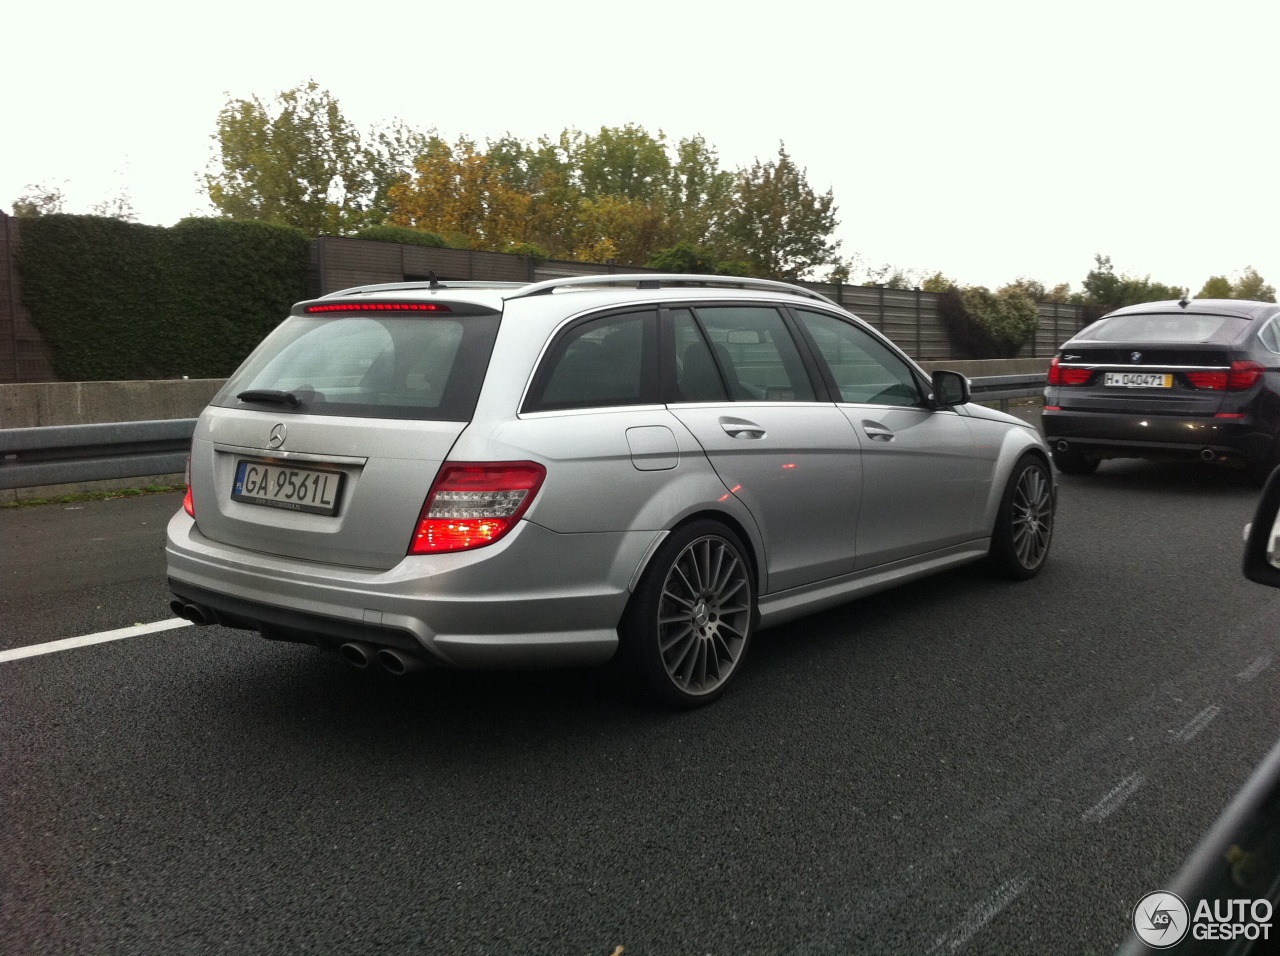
[(1024, 526), (689, 624)]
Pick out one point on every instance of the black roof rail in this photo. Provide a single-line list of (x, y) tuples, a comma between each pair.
[(428, 284), (666, 281)]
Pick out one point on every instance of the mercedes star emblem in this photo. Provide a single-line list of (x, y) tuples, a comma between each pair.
[(277, 436)]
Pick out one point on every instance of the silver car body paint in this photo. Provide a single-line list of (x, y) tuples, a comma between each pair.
[(834, 500)]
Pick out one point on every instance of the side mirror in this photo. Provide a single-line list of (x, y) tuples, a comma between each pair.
[(950, 388), (1261, 558)]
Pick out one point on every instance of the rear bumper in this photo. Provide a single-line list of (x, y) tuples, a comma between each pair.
[(1129, 435), (534, 599)]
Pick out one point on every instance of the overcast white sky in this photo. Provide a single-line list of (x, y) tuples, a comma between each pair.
[(985, 139)]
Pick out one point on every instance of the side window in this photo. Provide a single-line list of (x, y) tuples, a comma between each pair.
[(602, 362), (757, 354), (1270, 335), (864, 369), (696, 377)]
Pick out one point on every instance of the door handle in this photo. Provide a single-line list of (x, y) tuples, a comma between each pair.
[(741, 428), (877, 432)]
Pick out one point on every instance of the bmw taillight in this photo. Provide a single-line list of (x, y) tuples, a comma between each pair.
[(1060, 375), (472, 504), (1241, 376), (188, 504)]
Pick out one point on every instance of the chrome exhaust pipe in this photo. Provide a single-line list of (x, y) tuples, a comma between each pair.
[(1062, 446), (1208, 454), (394, 662), (358, 656), (191, 612)]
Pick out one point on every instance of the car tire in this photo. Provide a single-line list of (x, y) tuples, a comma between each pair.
[(688, 626), (1071, 462), (1024, 525)]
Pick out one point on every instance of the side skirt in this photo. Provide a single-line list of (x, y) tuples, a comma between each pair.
[(797, 602)]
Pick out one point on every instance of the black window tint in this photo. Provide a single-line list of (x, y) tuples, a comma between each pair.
[(696, 377), (602, 362), (864, 369), (757, 354), (384, 367)]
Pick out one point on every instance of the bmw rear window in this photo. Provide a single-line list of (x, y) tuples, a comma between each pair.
[(383, 366), (1173, 327)]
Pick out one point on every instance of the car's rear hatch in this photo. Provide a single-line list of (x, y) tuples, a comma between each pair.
[(324, 444), (1160, 364)]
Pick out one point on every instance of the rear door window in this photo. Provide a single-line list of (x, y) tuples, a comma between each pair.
[(756, 354), (602, 362), (389, 366)]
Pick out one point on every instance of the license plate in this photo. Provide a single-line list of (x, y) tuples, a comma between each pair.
[(1138, 380), (285, 486)]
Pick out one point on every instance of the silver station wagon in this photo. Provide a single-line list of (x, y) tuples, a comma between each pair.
[(490, 475)]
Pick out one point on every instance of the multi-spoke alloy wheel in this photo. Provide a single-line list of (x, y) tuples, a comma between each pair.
[(1024, 527), (1032, 517), (690, 621)]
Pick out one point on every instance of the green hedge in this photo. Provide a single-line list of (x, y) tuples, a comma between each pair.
[(403, 234), (117, 300)]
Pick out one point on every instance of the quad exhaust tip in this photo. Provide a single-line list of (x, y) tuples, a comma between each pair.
[(191, 612), (393, 662), (357, 655)]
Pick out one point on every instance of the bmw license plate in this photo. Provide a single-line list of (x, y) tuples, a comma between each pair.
[(1138, 380), (279, 486)]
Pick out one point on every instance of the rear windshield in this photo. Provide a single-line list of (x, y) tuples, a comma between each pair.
[(388, 366), (1162, 327)]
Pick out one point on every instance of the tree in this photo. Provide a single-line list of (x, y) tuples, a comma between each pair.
[(297, 162), (1252, 286), (39, 200), (119, 207), (1103, 287), (624, 161), (701, 194), (1215, 287), (938, 283), (778, 224), (457, 192)]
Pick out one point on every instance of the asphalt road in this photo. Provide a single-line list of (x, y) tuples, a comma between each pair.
[(960, 765)]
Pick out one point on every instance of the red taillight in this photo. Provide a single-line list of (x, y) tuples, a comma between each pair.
[(472, 504), (1213, 380), (378, 307), (1244, 375), (1066, 375), (188, 505), (1241, 376)]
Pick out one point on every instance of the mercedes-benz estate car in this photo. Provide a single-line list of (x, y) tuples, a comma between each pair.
[(649, 467), (1192, 379)]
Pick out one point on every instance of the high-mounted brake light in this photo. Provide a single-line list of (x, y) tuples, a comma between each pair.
[(188, 503), (1240, 376), (378, 307), (1059, 375), (472, 504)]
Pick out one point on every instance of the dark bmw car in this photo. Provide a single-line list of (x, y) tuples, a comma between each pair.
[(1194, 379)]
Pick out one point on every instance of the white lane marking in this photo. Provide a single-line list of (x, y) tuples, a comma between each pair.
[(102, 637), (1197, 723), (1254, 669), (981, 914), (1114, 800)]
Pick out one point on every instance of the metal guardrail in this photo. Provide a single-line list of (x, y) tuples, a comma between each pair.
[(65, 454)]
